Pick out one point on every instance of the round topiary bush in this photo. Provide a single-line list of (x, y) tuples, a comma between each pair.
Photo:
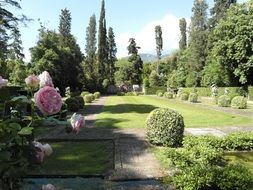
[(88, 98), (193, 97), (92, 97), (97, 95), (239, 102), (184, 96), (165, 127), (160, 94), (84, 93), (224, 101), (72, 104), (80, 101), (168, 95)]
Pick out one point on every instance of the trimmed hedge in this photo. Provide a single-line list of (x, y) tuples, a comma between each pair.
[(239, 141), (239, 102), (72, 104), (153, 90), (193, 97), (85, 93), (97, 95), (184, 96), (224, 101), (88, 98), (80, 101), (165, 127), (168, 95)]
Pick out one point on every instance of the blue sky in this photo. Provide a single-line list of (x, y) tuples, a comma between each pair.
[(128, 18)]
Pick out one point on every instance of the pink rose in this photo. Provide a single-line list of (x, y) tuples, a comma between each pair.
[(48, 100), (45, 79), (47, 149), (32, 81), (3, 82), (77, 122)]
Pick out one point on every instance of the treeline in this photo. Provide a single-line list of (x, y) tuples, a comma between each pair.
[(218, 49), (58, 52)]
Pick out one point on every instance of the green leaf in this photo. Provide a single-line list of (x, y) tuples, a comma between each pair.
[(14, 126), (26, 131)]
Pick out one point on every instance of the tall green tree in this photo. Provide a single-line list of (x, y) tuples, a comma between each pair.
[(159, 44), (9, 22), (218, 11), (71, 56), (183, 36), (112, 58), (102, 45), (232, 49), (65, 23), (90, 66), (198, 35), (136, 61)]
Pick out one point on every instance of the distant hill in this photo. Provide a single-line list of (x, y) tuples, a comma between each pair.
[(148, 57)]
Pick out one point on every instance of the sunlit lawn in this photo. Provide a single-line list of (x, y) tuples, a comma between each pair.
[(78, 158), (132, 111), (244, 158)]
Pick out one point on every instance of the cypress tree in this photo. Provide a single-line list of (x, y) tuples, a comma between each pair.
[(159, 44), (183, 37), (112, 50)]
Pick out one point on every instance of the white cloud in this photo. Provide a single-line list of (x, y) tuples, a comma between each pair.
[(145, 38)]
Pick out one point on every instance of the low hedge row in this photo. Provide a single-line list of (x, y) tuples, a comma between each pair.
[(239, 141), (153, 90), (250, 92)]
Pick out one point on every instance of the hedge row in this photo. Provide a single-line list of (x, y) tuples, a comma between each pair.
[(153, 90), (250, 92)]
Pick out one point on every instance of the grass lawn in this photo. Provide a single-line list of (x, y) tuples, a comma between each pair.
[(244, 158), (77, 158), (132, 111)]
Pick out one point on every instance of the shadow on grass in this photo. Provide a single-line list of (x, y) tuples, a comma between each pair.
[(107, 123), (128, 108)]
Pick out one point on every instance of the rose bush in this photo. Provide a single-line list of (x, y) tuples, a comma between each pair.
[(77, 122), (32, 81)]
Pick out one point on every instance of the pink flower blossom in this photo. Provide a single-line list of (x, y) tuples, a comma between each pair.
[(3, 82), (45, 79), (32, 81), (41, 151), (77, 122), (48, 100), (48, 187)]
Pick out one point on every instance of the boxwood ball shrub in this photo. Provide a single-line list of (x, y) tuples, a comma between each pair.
[(239, 102), (72, 104), (84, 93), (92, 97), (97, 95), (224, 101), (88, 98), (193, 97), (80, 101), (165, 127), (160, 94), (168, 95), (184, 96)]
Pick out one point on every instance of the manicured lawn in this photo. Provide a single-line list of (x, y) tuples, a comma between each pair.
[(78, 158), (244, 158), (132, 111)]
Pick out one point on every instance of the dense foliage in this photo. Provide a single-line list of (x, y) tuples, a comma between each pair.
[(165, 127)]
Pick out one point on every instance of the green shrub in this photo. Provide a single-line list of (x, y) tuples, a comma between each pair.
[(239, 102), (130, 94), (224, 101), (97, 95), (160, 94), (184, 96), (250, 92), (165, 127), (239, 141), (193, 97), (153, 90), (92, 97), (84, 93), (235, 176), (159, 91), (168, 95), (80, 101), (120, 93), (88, 98), (72, 104)]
